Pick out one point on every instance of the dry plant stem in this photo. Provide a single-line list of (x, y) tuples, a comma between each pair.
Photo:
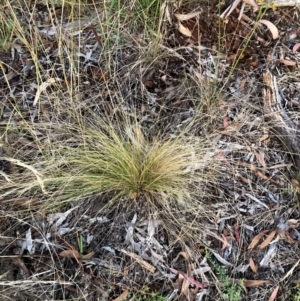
[(230, 9), (287, 129)]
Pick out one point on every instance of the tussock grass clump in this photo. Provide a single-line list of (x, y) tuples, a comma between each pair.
[(120, 159), (116, 158)]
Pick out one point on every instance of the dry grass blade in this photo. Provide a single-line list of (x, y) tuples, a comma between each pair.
[(28, 167)]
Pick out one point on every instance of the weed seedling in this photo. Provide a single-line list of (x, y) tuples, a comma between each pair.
[(230, 291)]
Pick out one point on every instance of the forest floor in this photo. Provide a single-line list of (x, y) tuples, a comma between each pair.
[(91, 88)]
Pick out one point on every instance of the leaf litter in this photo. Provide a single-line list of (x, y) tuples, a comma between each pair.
[(253, 198)]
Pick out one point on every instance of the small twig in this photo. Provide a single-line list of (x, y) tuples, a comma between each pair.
[(230, 9)]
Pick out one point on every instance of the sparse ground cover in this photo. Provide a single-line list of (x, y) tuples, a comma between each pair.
[(149, 151)]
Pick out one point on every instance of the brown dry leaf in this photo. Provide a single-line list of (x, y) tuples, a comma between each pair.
[(178, 283), (271, 27), (70, 254), (182, 285), (283, 235), (123, 296), (263, 137), (256, 239), (189, 278), (296, 47), (267, 241), (245, 180), (185, 17), (225, 243), (253, 266), (295, 183), (260, 157), (287, 62), (199, 76), (263, 176), (274, 294), (256, 283), (99, 74), (236, 233), (258, 173), (142, 262), (252, 3), (185, 286), (242, 84), (17, 261), (184, 30)]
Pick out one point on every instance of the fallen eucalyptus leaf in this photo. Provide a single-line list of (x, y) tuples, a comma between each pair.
[(181, 17), (184, 30), (271, 27)]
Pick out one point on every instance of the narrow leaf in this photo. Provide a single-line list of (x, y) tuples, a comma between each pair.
[(288, 62), (256, 239), (184, 30), (253, 266), (271, 27), (181, 17), (256, 283), (274, 294), (267, 241), (296, 47), (260, 157)]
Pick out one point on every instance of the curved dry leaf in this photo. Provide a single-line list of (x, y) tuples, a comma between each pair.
[(43, 87), (225, 243), (184, 255), (264, 137), (253, 266), (140, 261), (274, 294), (189, 278), (184, 30), (296, 47), (252, 3), (267, 241), (271, 27), (287, 62), (185, 17), (256, 239), (260, 157)]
